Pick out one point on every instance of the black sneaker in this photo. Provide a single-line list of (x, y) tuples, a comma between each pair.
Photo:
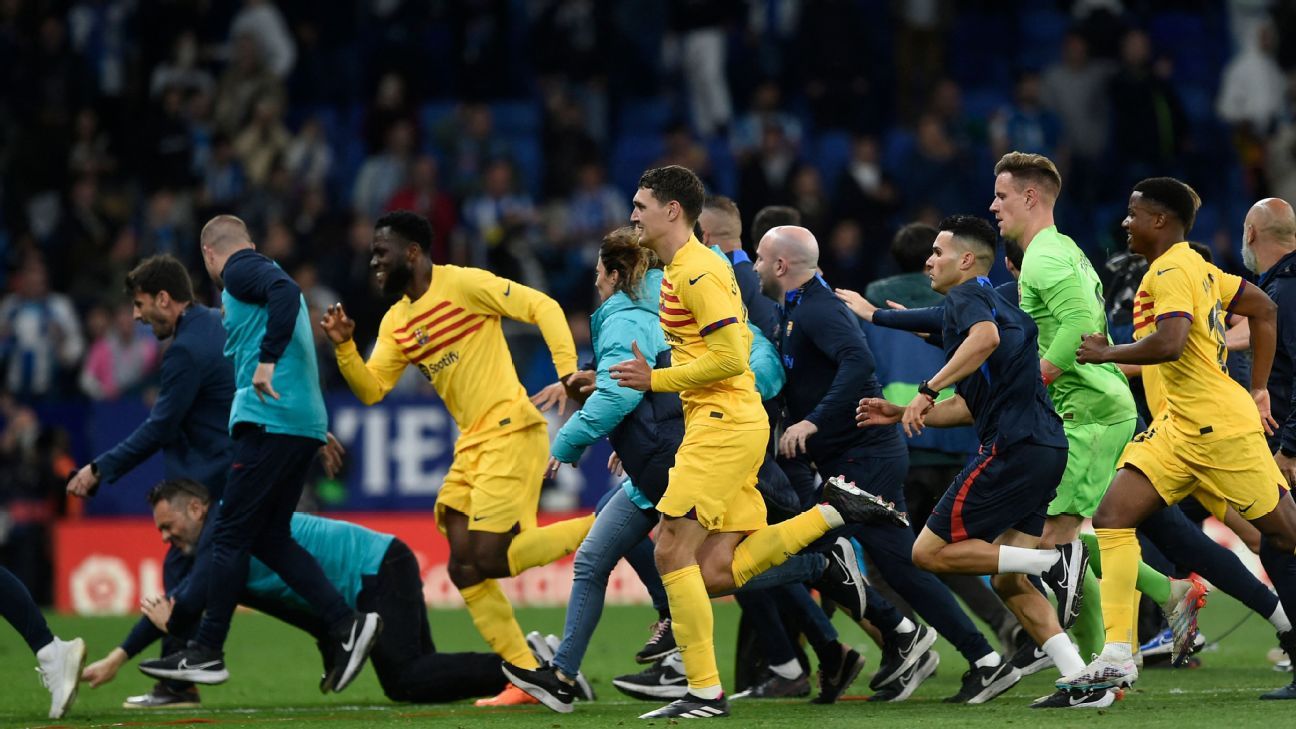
[(909, 681), (351, 645), (834, 680), (691, 707), (1066, 579), (161, 697), (776, 687), (842, 581), (1031, 659), (857, 506), (194, 663), (1076, 699), (665, 679), (1286, 693), (543, 685), (900, 654), (983, 684), (659, 644), (584, 690)]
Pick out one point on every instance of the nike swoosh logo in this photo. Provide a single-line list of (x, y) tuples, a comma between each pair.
[(507, 290), (695, 280), (478, 518), (184, 665), (350, 643), (985, 682), (1164, 270), (1247, 508), (1076, 701), (667, 680)]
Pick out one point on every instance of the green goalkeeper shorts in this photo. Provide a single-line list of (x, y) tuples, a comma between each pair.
[(1093, 449)]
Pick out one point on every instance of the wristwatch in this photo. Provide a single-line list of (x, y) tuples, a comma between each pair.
[(925, 390)]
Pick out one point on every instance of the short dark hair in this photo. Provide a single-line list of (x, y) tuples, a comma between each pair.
[(1014, 253), (1202, 250), (911, 246), (171, 488), (972, 229), (409, 225), (772, 216), (1175, 196), (677, 183), (161, 273)]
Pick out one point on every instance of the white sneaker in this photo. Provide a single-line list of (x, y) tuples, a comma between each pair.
[(1106, 671), (61, 662)]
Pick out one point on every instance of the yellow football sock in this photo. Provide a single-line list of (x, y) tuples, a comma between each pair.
[(1120, 560), (1134, 611), (694, 625), (545, 544), (772, 545), (493, 616)]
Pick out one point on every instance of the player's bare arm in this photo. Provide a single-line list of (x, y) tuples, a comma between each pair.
[(1166, 344)]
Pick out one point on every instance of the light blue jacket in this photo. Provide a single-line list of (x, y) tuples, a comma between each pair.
[(614, 325)]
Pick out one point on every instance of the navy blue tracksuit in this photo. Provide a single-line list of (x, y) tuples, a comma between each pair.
[(829, 369)]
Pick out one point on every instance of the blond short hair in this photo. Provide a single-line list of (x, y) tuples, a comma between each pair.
[(1036, 169)]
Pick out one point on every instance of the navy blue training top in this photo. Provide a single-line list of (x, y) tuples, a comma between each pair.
[(829, 369), (1006, 395)]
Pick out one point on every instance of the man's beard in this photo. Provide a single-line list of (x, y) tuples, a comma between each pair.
[(396, 280), (1249, 259)]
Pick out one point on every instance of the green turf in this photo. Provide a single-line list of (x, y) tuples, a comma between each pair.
[(275, 670)]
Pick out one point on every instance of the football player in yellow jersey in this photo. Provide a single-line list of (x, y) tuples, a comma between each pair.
[(1208, 438), (713, 534), (447, 324)]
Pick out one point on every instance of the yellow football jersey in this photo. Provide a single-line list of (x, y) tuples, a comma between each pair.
[(1196, 391), (700, 299), (452, 334)]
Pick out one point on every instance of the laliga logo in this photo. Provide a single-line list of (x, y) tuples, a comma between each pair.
[(102, 585)]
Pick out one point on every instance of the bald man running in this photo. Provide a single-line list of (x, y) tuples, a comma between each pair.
[(278, 423), (829, 370)]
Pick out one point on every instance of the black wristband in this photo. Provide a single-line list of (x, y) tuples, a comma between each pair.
[(923, 389), (1286, 451)]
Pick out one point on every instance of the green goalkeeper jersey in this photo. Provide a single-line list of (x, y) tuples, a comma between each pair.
[(1060, 290)]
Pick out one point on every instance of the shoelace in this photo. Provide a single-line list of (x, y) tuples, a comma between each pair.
[(46, 679), (659, 629)]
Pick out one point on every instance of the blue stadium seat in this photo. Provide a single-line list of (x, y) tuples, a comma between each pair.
[(432, 115), (1198, 46), (831, 152), (644, 115), (631, 155), (897, 145), (724, 169), (524, 150), (516, 117), (980, 103)]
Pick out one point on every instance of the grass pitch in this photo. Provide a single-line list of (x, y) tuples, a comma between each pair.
[(275, 670)]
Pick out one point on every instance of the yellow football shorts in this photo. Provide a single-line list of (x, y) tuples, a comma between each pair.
[(1237, 471), (496, 483), (714, 479)]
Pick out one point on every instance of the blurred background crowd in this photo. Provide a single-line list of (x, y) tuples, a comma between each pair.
[(520, 127)]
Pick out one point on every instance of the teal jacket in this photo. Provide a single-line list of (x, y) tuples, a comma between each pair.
[(266, 320), (346, 553)]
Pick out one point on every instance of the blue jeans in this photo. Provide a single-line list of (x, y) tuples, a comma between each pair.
[(619, 526)]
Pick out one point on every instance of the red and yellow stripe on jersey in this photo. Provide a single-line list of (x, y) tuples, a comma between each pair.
[(1195, 390), (452, 334), (703, 319)]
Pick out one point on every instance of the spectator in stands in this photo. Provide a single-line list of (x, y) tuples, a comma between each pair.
[(765, 178), (910, 248), (104, 271), (223, 181), (937, 172), (807, 194), (1150, 126), (391, 105), (700, 28), (384, 173), (166, 228), (182, 70), (263, 142), (865, 192), (766, 109), (91, 150), (499, 222), (40, 335), (470, 142), (246, 81), (308, 158), (262, 21), (946, 104), (83, 234), (920, 51), (847, 263), (1076, 89), (568, 146), (594, 207), (833, 65), (681, 148), (168, 144), (49, 83), (1253, 98), (120, 359), (1025, 125), (423, 195)]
